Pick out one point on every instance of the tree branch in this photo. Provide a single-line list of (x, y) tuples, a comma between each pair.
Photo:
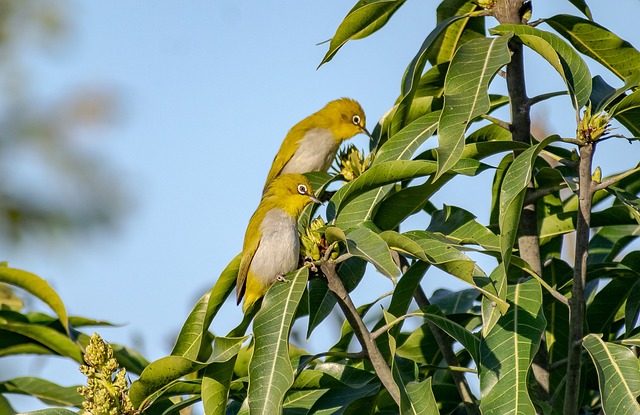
[(613, 180), (449, 356), (369, 346), (576, 302)]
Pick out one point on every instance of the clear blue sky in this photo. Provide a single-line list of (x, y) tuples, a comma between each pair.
[(208, 91)]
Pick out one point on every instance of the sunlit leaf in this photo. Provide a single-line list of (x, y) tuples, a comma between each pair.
[(618, 375), (270, 371), (465, 94), (595, 41), (365, 18), (38, 287), (506, 353)]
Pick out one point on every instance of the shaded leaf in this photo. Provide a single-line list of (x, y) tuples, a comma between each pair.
[(47, 392), (368, 245)]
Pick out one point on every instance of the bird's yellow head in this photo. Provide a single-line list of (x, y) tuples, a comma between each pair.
[(290, 192), (346, 118)]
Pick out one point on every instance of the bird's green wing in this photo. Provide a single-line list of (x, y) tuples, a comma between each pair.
[(249, 249), (286, 151)]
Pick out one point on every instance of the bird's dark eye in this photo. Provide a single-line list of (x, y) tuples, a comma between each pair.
[(356, 119), (302, 189)]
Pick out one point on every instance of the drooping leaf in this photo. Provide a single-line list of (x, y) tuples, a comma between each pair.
[(562, 57), (618, 375), (412, 75), (46, 336), (443, 255), (365, 18), (47, 392), (459, 32), (368, 245), (465, 94), (216, 380), (595, 41), (189, 341), (38, 287), (270, 371), (583, 7), (512, 194), (506, 353)]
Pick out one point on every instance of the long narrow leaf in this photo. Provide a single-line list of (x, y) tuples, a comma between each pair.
[(270, 371)]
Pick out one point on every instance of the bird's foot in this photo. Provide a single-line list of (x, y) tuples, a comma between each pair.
[(308, 262), (281, 278)]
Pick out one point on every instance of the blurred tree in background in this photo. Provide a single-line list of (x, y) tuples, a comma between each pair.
[(51, 183)]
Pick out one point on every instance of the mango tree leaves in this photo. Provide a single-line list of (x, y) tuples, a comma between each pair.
[(507, 351), (465, 94), (270, 371), (595, 41), (562, 57), (38, 287), (365, 18), (618, 375)]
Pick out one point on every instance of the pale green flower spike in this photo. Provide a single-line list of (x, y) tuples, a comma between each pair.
[(313, 244), (593, 127), (352, 163), (107, 392)]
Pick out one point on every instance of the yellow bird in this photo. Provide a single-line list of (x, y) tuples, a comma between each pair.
[(271, 244), (312, 144)]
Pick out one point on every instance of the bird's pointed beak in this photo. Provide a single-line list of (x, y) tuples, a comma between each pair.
[(315, 199), (365, 131)]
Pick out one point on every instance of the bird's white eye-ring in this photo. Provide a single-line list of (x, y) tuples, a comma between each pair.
[(356, 119), (302, 189)]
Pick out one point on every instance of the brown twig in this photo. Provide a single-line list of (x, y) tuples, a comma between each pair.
[(369, 346)]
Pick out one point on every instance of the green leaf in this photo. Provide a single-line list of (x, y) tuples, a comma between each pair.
[(412, 75), (507, 352), (602, 310), (627, 112), (216, 380), (460, 225), (189, 341), (50, 411), (445, 256), (465, 94), (421, 396), (618, 375), (583, 7), (595, 41), (392, 172), (365, 18), (512, 194), (403, 144), (467, 339), (160, 374), (38, 287), (270, 371), (454, 302), (368, 245), (47, 392), (562, 57), (46, 336), (459, 32)]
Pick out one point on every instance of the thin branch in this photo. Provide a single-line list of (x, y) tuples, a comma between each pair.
[(612, 180), (360, 330), (497, 121), (449, 356), (576, 303), (534, 195), (386, 327)]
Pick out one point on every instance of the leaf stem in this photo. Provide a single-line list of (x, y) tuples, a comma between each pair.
[(613, 180)]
